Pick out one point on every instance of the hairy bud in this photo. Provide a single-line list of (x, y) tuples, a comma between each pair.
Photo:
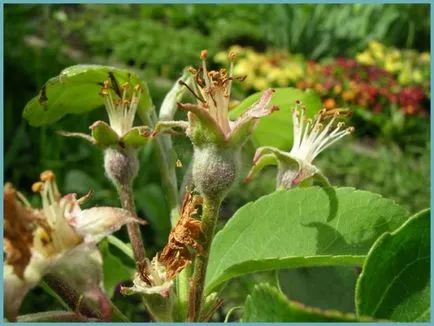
[(214, 170), (121, 165)]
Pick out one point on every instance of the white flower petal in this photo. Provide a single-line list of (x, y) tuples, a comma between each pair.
[(95, 223), (15, 288)]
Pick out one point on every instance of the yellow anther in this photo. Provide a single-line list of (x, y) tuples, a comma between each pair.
[(350, 130), (137, 88), (47, 175), (232, 56), (125, 85), (212, 73), (37, 186), (341, 124), (204, 54), (192, 70)]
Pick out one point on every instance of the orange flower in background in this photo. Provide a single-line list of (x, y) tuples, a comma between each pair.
[(329, 103)]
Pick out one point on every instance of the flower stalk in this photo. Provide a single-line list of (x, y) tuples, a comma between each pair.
[(72, 298), (210, 214), (127, 203)]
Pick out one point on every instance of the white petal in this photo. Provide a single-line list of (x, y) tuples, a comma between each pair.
[(15, 288), (95, 223)]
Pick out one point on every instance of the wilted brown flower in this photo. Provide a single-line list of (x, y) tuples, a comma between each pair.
[(186, 234), (20, 220)]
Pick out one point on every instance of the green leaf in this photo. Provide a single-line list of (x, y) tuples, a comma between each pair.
[(395, 282), (115, 271), (104, 135), (136, 137), (301, 227), (324, 287), (76, 90), (276, 129), (268, 304)]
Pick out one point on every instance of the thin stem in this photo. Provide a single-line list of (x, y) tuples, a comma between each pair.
[(210, 213), (117, 315), (121, 246), (73, 299), (53, 293), (166, 164), (127, 202)]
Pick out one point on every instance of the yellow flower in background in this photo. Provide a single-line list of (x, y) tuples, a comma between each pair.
[(365, 58), (274, 74), (243, 67), (417, 76), (377, 49), (293, 71), (391, 65), (260, 84), (425, 57), (221, 57)]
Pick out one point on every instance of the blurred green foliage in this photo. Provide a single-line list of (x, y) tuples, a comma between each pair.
[(158, 41)]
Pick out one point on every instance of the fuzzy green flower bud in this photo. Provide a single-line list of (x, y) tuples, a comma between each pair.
[(121, 165)]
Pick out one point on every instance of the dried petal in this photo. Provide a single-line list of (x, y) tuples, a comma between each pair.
[(186, 234)]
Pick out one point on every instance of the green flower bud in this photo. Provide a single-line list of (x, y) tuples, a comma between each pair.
[(214, 170), (121, 165)]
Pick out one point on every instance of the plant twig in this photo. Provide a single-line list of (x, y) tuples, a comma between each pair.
[(72, 298), (127, 203), (210, 213)]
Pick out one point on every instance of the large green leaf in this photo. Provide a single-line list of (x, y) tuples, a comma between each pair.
[(301, 227), (276, 129), (395, 282), (76, 90), (268, 304)]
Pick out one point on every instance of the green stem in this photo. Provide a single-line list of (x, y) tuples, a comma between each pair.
[(182, 294), (73, 299), (166, 164), (210, 213), (121, 246), (322, 180), (117, 315), (127, 202)]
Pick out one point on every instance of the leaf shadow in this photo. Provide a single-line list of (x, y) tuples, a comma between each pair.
[(333, 204), (331, 242)]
